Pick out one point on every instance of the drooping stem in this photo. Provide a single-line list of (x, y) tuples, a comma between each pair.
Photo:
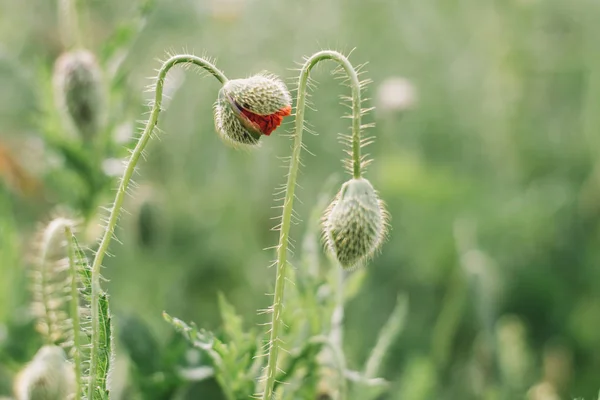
[(74, 309), (282, 249), (122, 189)]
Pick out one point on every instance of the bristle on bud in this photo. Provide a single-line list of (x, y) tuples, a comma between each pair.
[(355, 223), (247, 109)]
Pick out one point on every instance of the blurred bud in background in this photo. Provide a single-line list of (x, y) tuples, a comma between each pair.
[(48, 377), (78, 91)]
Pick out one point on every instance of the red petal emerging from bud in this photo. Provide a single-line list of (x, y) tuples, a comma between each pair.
[(267, 123)]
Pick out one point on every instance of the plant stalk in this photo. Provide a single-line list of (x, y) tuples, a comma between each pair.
[(282, 248), (122, 189)]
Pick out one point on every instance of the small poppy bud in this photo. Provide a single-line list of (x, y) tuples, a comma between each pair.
[(355, 223), (249, 108), (48, 377), (78, 90)]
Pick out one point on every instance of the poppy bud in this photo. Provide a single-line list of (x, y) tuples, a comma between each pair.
[(355, 223), (48, 377), (248, 108), (78, 90)]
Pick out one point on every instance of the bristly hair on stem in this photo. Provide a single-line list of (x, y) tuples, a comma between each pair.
[(355, 165), (57, 292), (50, 280), (99, 303)]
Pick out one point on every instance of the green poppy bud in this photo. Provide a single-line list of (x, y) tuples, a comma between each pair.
[(248, 108), (49, 376), (355, 223), (78, 91)]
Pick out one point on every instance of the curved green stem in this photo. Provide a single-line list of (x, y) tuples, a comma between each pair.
[(120, 196), (282, 249)]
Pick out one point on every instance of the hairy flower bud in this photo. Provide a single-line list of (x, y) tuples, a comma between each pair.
[(48, 377), (355, 223), (249, 108), (78, 91)]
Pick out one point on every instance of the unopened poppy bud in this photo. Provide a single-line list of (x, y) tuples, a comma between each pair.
[(78, 91), (248, 108), (49, 376), (355, 223)]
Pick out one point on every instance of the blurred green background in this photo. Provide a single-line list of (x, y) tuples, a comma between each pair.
[(487, 154)]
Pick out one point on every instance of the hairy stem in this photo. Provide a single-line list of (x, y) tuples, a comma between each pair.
[(282, 249), (74, 309), (122, 189)]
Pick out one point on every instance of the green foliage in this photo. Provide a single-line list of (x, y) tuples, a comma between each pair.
[(232, 358), (159, 371), (100, 379), (314, 358), (105, 351)]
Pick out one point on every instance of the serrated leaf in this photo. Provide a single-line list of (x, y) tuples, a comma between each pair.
[(105, 351), (202, 340), (84, 276), (105, 323), (232, 360), (83, 269)]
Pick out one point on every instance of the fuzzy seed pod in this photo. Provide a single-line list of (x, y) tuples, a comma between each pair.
[(249, 108), (355, 223), (48, 377), (78, 91)]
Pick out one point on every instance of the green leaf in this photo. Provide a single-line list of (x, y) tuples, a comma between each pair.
[(202, 340), (233, 361), (106, 346), (84, 276), (105, 351)]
